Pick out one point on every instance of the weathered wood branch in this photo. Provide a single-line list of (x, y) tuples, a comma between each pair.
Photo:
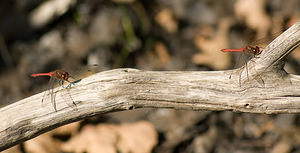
[(269, 90)]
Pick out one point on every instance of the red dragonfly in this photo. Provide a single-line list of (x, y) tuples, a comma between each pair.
[(248, 50), (251, 50), (57, 75)]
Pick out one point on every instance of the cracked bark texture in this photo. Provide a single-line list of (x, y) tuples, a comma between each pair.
[(269, 90)]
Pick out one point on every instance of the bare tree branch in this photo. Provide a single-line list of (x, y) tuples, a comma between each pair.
[(269, 90)]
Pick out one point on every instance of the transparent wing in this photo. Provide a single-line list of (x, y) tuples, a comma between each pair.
[(52, 84)]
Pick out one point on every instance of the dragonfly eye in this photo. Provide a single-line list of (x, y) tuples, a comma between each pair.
[(66, 76), (257, 50)]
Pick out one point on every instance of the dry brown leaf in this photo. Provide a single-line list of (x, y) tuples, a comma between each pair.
[(159, 55), (14, 149), (137, 137), (212, 55), (163, 55), (269, 126), (253, 13), (167, 21), (92, 139), (43, 144), (68, 129), (282, 147)]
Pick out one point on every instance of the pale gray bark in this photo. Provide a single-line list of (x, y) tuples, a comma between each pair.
[(269, 90)]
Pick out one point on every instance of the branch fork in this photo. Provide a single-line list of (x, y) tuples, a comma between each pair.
[(124, 89)]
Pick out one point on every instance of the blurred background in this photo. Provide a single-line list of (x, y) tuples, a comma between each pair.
[(41, 36)]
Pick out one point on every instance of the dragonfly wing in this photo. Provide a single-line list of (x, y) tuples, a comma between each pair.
[(52, 83)]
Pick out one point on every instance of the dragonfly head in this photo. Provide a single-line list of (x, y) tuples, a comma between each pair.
[(252, 50), (60, 74), (257, 50), (65, 76)]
